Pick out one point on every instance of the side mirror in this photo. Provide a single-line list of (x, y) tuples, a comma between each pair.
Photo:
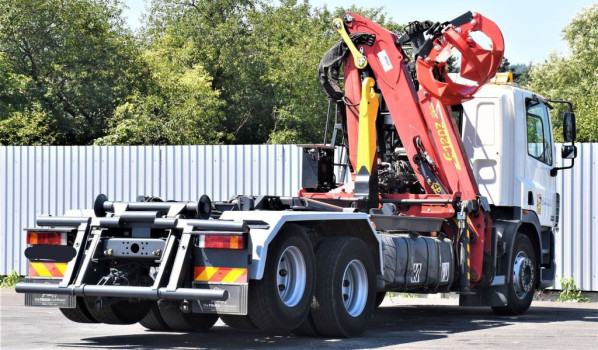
[(569, 135), (569, 152), (569, 128)]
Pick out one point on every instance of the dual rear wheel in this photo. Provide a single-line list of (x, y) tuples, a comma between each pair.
[(280, 300), (331, 293), (167, 315), (344, 299), (112, 311), (160, 316)]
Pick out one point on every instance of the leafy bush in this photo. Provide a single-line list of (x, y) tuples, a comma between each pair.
[(10, 280), (570, 292)]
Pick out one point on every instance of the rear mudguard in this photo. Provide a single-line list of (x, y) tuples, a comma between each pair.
[(262, 235)]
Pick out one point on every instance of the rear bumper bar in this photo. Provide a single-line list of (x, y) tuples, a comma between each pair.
[(124, 292)]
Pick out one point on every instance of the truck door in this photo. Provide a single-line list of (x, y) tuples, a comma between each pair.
[(540, 196)]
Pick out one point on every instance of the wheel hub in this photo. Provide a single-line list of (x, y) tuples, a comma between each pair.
[(355, 287), (291, 276), (523, 275)]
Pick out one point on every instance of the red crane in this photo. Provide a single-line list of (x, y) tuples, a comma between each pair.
[(417, 96)]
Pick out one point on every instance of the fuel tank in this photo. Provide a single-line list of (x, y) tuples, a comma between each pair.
[(417, 263)]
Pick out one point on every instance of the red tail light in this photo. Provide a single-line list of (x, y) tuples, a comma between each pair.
[(221, 242), (43, 237)]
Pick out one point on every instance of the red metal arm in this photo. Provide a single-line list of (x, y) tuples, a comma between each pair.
[(423, 118)]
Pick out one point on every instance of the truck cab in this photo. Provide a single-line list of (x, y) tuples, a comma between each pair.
[(507, 134)]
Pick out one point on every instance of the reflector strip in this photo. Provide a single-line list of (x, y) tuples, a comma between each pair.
[(42, 269), (220, 274)]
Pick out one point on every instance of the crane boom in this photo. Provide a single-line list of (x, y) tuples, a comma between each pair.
[(419, 108)]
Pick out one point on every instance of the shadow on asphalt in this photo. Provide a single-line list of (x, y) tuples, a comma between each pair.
[(392, 325)]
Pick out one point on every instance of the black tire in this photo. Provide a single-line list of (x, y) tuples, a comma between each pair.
[(336, 261), (153, 320), (238, 322), (308, 327), (115, 311), (79, 314), (380, 298), (523, 279), (271, 307), (177, 320)]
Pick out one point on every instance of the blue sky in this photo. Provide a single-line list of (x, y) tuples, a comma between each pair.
[(531, 28)]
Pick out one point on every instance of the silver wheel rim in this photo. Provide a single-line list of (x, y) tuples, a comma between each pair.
[(355, 287), (523, 275), (291, 276)]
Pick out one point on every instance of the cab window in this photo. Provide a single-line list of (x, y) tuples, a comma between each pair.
[(539, 134), (457, 111)]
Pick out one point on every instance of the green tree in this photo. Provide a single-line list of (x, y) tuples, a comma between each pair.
[(77, 60), (30, 126), (179, 107), (263, 57), (300, 106), (505, 65), (292, 39), (574, 77), (12, 89), (220, 32), (521, 73)]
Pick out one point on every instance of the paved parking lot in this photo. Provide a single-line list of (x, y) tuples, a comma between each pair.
[(399, 323)]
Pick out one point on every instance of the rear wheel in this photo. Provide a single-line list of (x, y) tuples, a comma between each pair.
[(117, 311), (522, 278), (238, 322), (153, 320), (177, 320), (78, 314), (345, 294), (281, 299)]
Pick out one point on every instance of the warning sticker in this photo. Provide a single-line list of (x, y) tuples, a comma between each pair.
[(445, 268), (417, 269), (384, 60)]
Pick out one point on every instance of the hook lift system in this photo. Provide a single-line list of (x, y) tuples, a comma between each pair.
[(446, 185)]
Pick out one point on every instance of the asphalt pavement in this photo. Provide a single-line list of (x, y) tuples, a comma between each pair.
[(400, 323)]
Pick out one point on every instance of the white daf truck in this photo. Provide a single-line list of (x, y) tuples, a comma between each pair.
[(457, 197)]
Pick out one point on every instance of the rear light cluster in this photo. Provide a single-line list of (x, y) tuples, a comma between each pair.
[(221, 241), (46, 237)]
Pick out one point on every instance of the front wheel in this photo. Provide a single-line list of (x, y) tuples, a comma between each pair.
[(345, 293), (522, 278)]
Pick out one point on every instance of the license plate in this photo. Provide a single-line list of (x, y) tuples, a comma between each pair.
[(236, 304), (49, 300)]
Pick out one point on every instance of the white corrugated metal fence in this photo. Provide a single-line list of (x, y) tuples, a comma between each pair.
[(576, 241), (50, 180)]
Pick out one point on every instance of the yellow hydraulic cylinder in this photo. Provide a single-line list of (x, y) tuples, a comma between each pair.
[(360, 60), (368, 111)]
